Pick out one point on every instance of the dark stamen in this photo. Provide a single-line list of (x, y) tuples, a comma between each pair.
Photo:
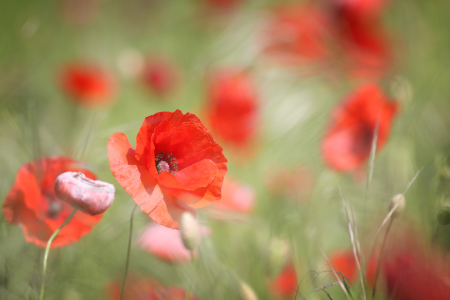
[(166, 163)]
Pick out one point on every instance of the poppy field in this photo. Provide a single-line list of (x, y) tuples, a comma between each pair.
[(225, 149)]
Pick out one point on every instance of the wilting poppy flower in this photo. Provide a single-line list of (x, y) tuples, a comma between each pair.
[(146, 289), (359, 32), (285, 284), (348, 140), (91, 196), (166, 243), (343, 262), (32, 203), (177, 166), (236, 199), (87, 84), (160, 76), (297, 33), (233, 107)]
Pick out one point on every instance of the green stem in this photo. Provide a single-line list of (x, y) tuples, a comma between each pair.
[(47, 249), (188, 294), (128, 254)]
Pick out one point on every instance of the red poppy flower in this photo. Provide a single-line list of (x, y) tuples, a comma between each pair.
[(297, 34), (32, 204), (344, 262), (146, 289), (177, 166), (285, 284), (348, 140), (237, 201), (232, 107), (160, 76), (413, 270), (87, 84), (166, 243), (361, 36)]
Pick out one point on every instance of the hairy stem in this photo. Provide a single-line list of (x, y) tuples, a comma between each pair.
[(47, 249), (128, 254)]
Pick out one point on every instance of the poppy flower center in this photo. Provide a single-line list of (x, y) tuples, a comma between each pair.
[(166, 163), (54, 208)]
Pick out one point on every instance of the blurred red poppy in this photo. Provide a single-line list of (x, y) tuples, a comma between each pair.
[(413, 270), (237, 200), (146, 289), (87, 84), (360, 34), (297, 33), (285, 285), (166, 243), (160, 76), (348, 140), (344, 262), (32, 204), (233, 107), (177, 166)]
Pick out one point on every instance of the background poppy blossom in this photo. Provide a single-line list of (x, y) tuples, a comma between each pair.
[(32, 203), (236, 198), (285, 285), (139, 288), (160, 76), (166, 243), (297, 33), (177, 166), (87, 84), (343, 262), (348, 140), (233, 107), (359, 33)]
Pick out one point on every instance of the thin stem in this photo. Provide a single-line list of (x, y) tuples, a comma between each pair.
[(128, 254), (47, 249), (381, 258), (188, 294)]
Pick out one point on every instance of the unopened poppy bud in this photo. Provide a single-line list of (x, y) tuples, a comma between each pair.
[(91, 196), (400, 199), (443, 215), (278, 253), (246, 292), (190, 232)]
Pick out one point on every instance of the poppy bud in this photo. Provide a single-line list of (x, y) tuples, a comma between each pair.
[(246, 292), (190, 233), (443, 215), (91, 196), (400, 199), (278, 253)]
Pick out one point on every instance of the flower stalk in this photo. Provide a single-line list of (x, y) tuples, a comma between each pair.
[(47, 249)]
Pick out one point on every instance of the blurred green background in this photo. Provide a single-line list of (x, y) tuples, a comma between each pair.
[(37, 119)]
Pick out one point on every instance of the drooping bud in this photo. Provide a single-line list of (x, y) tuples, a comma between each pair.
[(400, 199), (246, 292), (277, 256), (91, 196), (190, 233)]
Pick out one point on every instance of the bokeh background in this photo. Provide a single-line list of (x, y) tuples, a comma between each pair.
[(297, 207)]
